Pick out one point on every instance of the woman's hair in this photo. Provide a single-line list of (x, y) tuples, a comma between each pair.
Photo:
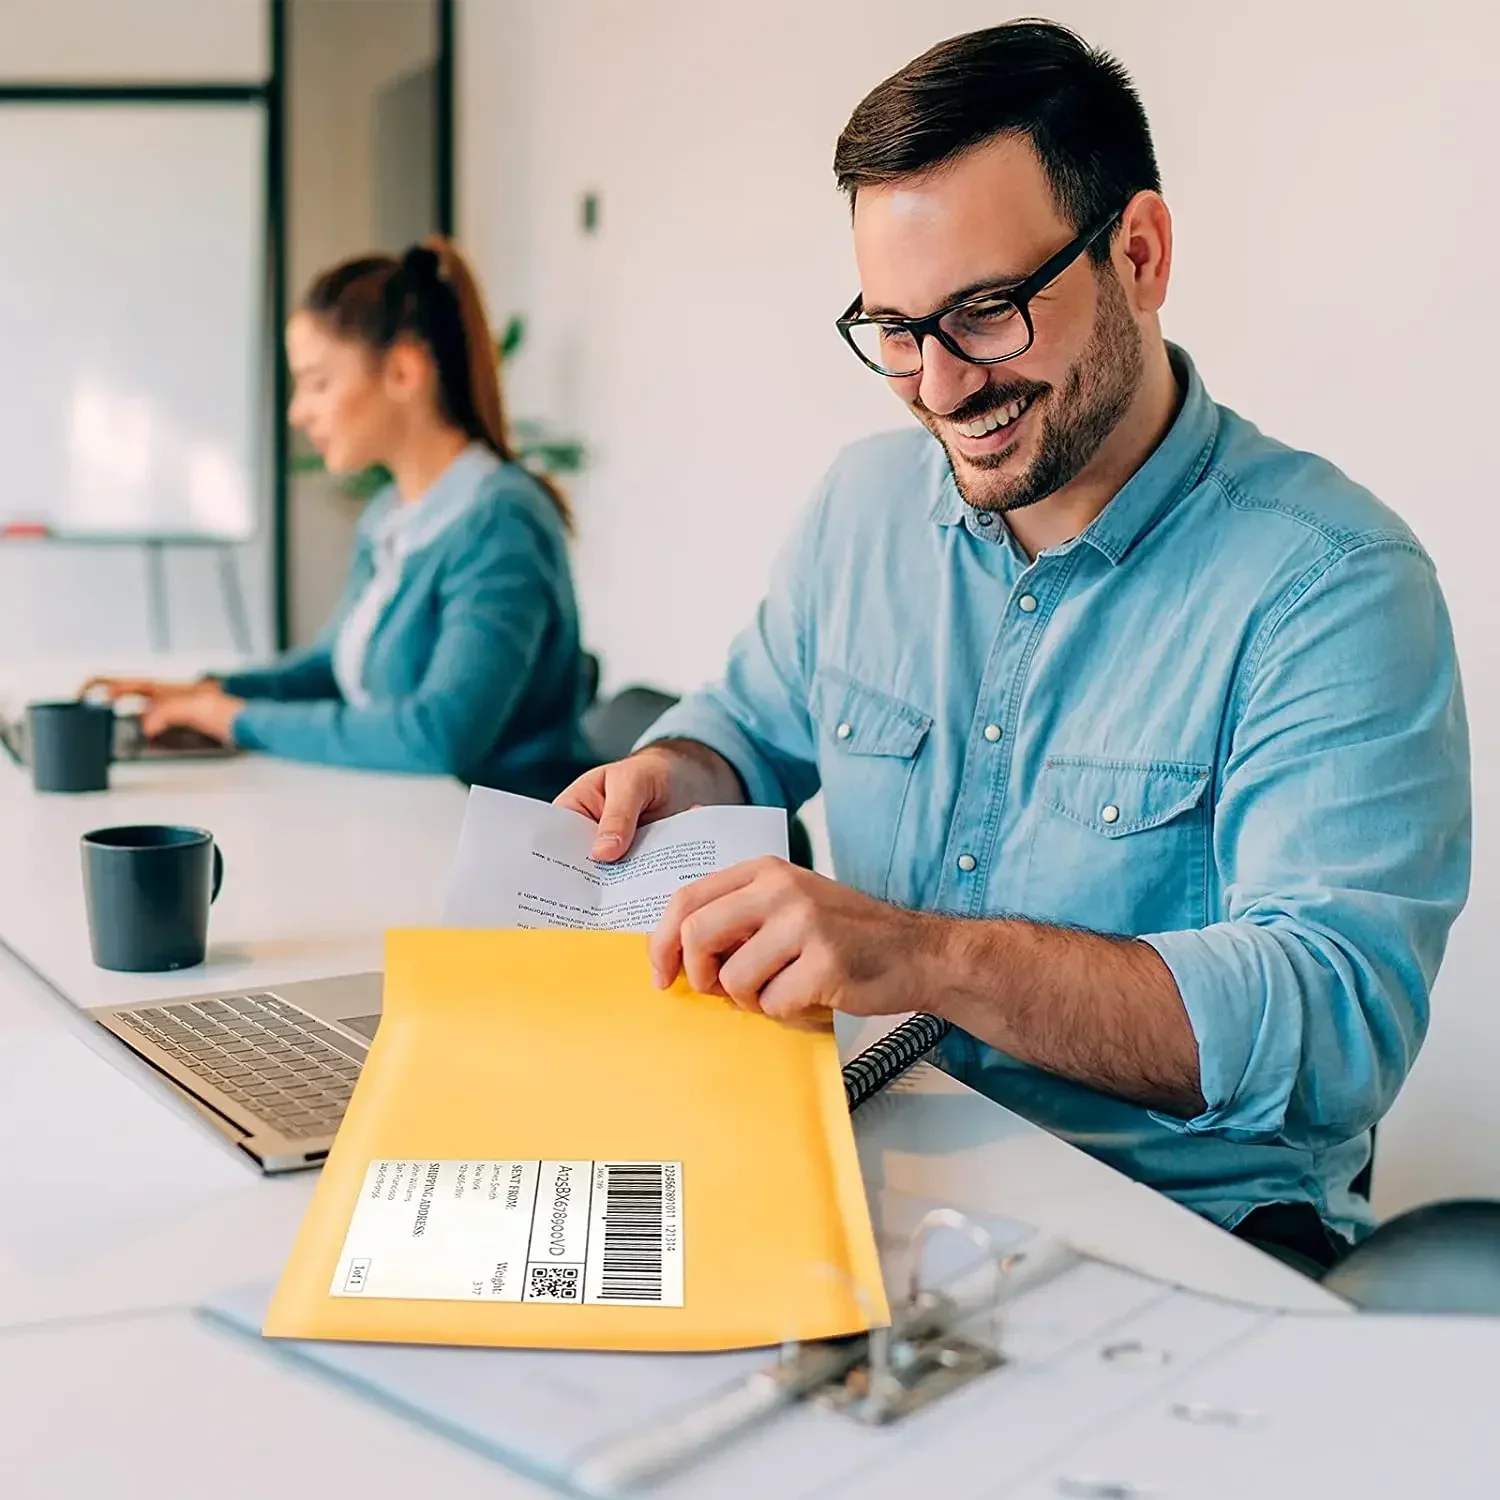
[(430, 295)]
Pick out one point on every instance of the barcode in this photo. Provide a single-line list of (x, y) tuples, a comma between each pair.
[(632, 1263)]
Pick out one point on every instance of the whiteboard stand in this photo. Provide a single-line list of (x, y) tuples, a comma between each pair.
[(158, 593), (158, 615), (158, 599)]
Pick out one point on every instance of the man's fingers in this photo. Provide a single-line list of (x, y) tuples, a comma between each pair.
[(714, 932), (709, 918), (665, 946), (745, 974), (795, 991), (614, 796), (631, 789), (618, 821), (585, 795)]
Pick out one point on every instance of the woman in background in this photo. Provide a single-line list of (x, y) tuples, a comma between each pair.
[(455, 648)]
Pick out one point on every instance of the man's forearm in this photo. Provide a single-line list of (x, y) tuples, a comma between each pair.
[(1102, 1011)]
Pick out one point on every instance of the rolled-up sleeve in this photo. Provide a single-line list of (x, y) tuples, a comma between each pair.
[(1342, 841), (757, 717)]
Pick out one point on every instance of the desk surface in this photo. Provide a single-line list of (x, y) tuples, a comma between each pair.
[(319, 863)]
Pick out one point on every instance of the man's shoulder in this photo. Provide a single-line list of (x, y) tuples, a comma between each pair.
[(1315, 501)]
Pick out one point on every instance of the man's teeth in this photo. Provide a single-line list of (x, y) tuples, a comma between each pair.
[(992, 421)]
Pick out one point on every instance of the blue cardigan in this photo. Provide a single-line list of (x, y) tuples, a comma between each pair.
[(474, 668)]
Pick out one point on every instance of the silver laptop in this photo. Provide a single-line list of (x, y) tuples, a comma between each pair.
[(130, 741), (271, 1068)]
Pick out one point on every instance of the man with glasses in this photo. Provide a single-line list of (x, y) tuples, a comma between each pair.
[(1140, 734)]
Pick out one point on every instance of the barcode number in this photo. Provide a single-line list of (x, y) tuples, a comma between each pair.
[(632, 1263)]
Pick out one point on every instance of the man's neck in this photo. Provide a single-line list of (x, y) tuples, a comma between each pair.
[(1071, 510)]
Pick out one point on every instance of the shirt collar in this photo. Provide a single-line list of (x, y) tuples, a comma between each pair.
[(1171, 470), (948, 507), (410, 527)]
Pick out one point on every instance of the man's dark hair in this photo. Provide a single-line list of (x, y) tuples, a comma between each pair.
[(1074, 103)]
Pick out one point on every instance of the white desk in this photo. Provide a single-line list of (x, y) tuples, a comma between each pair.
[(319, 863), (164, 1407)]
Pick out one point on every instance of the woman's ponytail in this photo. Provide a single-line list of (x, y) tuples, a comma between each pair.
[(472, 386), (430, 294)]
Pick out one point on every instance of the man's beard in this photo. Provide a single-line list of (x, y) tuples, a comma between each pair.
[(1075, 421)]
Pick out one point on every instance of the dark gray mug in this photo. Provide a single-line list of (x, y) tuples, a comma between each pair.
[(148, 890), (70, 745)]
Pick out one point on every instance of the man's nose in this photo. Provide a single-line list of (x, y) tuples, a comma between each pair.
[(947, 381)]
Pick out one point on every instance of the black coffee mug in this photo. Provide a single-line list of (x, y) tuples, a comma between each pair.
[(148, 890), (70, 745)]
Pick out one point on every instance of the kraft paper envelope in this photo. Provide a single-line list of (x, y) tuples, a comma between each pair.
[(545, 1151)]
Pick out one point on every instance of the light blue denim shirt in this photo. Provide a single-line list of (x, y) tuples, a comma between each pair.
[(1226, 719)]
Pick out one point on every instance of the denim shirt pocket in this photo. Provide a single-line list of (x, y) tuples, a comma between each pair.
[(868, 744), (1120, 846)]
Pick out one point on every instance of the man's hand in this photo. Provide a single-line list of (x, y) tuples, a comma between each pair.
[(208, 709), (1100, 1010), (665, 778), (785, 941)]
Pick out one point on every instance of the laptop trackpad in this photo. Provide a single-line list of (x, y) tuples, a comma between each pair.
[(366, 1026)]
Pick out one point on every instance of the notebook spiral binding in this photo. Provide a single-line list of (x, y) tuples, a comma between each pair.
[(891, 1056)]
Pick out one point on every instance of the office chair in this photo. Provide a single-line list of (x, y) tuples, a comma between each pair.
[(613, 726), (1442, 1258), (1364, 1179), (590, 677)]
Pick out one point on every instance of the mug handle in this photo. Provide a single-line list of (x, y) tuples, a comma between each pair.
[(218, 875)]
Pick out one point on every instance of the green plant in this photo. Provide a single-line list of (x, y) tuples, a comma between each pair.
[(537, 445)]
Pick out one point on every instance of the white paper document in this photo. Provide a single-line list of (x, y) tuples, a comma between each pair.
[(517, 1231), (523, 863)]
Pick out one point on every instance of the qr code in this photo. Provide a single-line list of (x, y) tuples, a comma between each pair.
[(553, 1284)]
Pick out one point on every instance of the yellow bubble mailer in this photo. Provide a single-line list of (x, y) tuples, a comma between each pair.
[(545, 1151)]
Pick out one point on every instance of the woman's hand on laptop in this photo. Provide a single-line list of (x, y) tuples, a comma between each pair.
[(205, 707), (668, 777), (112, 689)]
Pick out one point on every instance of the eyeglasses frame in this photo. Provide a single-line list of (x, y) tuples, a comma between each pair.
[(1019, 296)]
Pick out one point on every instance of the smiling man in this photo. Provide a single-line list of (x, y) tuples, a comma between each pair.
[(1140, 734)]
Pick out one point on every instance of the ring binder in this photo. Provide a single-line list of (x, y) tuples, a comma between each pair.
[(877, 1378), (890, 1057)]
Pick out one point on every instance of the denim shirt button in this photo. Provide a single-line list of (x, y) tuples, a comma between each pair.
[(1026, 603), (966, 862)]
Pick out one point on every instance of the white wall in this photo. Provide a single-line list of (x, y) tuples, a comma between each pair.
[(73, 600), (155, 41), (1331, 170), (340, 54)]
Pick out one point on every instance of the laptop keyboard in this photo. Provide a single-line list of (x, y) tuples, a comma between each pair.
[(276, 1061)]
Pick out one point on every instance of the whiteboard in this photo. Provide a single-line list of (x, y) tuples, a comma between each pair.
[(132, 318)]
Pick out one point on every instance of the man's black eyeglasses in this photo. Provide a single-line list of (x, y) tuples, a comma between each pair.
[(983, 329)]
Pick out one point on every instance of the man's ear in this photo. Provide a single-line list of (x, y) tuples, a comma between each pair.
[(407, 371), (1143, 251)]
